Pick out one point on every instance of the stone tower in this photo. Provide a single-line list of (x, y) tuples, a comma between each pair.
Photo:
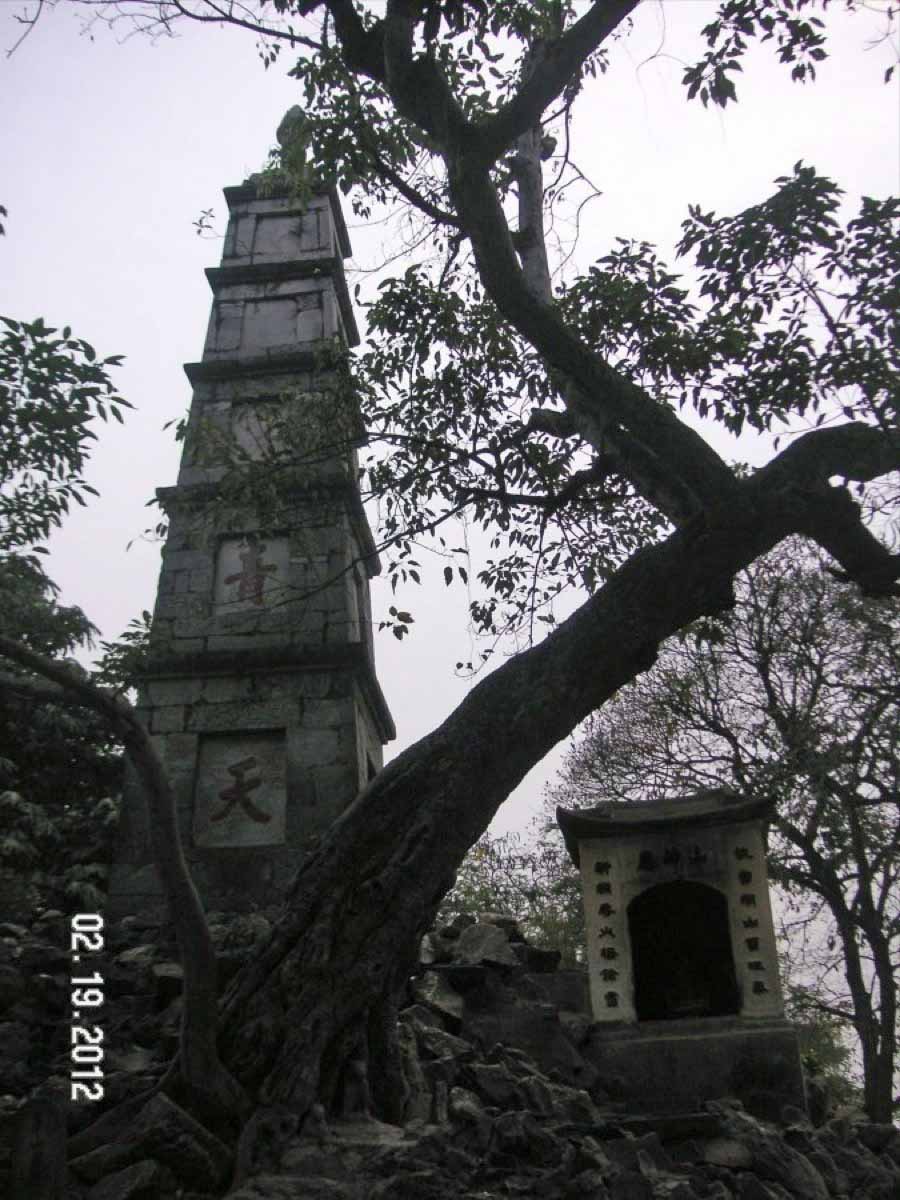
[(261, 690)]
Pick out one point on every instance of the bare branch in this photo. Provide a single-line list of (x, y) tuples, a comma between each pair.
[(29, 23), (557, 64)]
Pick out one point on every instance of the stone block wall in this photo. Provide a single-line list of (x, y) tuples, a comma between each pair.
[(260, 764)]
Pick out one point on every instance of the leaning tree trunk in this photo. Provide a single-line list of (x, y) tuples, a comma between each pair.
[(879, 1090), (334, 965)]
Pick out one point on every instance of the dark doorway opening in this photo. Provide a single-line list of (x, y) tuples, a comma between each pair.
[(681, 953)]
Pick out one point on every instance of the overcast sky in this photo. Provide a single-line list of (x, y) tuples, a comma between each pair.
[(112, 149)]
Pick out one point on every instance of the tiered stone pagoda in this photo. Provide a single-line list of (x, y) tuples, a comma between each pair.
[(681, 952), (261, 690)]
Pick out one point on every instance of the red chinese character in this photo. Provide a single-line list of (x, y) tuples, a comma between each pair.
[(251, 578), (239, 792)]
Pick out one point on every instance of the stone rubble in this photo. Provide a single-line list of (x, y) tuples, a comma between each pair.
[(501, 1102)]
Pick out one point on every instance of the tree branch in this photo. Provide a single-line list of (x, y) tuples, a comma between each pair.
[(204, 1074), (557, 64), (853, 451)]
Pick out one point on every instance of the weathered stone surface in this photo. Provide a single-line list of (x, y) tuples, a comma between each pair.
[(466, 1109), (630, 1185), (433, 991), (13, 986), (728, 1152), (436, 1043), (278, 1187), (503, 921), (263, 1141), (36, 956), (772, 1159), (145, 1180), (536, 958), (165, 1132), (15, 1045), (168, 981), (39, 1152), (878, 1138), (419, 1099), (137, 956), (460, 922), (481, 943), (520, 1137), (535, 1029), (751, 1188), (494, 1084)]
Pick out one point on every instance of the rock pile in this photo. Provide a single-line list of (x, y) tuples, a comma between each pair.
[(500, 1101)]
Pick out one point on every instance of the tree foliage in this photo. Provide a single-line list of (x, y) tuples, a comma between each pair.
[(794, 698), (51, 389), (60, 768), (529, 878)]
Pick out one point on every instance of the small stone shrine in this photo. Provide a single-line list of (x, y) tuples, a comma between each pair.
[(682, 960), (261, 689)]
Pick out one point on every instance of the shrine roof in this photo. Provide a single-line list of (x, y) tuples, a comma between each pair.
[(716, 806)]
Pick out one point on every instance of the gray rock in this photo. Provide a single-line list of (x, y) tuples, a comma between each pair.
[(165, 1132), (245, 930), (494, 1084), (773, 1159), (538, 1095), (536, 1030), (877, 1137), (13, 986), (263, 1141), (728, 1152), (37, 956), (520, 1137), (133, 1059), (419, 1099), (503, 921), (137, 956), (279, 1187), (433, 991), (168, 982), (460, 922), (590, 1183), (751, 1188), (145, 1180), (437, 1043), (536, 958), (39, 1169), (576, 1027), (465, 1108), (428, 950), (573, 1104), (630, 1185), (421, 1014), (483, 943), (15, 1041)]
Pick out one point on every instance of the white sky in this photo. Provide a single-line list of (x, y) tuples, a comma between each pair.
[(112, 150)]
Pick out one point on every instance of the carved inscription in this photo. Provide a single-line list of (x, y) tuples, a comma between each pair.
[(251, 573), (240, 793)]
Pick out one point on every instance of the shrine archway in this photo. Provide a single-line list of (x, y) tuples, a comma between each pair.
[(681, 953)]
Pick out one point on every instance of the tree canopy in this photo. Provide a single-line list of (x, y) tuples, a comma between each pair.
[(52, 386)]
